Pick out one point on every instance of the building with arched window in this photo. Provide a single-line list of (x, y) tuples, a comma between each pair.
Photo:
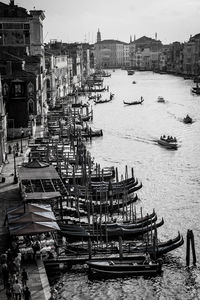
[(22, 65)]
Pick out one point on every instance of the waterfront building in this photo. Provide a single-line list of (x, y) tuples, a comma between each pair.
[(146, 42), (175, 58), (92, 59), (109, 54), (132, 52), (59, 69), (79, 59), (23, 70), (74, 51), (191, 56), (126, 63), (20, 92), (144, 53)]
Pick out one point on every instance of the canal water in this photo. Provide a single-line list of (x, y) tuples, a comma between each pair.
[(171, 178)]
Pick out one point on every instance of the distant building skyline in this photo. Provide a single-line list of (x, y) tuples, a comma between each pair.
[(78, 21)]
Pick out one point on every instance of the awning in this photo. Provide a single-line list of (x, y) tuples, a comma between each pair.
[(27, 217), (41, 196), (27, 173), (29, 207), (33, 228)]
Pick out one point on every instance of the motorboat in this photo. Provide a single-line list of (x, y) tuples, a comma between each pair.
[(130, 72), (168, 142), (161, 99), (187, 120)]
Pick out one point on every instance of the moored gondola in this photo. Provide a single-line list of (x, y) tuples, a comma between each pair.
[(121, 267)]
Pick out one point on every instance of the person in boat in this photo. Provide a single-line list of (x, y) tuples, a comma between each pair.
[(147, 259), (163, 137), (168, 138)]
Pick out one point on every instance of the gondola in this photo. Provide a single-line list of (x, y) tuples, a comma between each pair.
[(123, 267), (132, 225), (131, 233), (161, 247), (97, 206), (104, 192), (102, 101), (134, 102), (120, 188)]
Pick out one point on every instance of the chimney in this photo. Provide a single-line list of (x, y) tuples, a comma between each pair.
[(12, 2)]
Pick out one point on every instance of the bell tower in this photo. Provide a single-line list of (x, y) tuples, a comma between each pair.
[(98, 36)]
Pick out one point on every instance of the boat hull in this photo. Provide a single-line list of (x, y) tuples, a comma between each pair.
[(168, 145), (124, 268)]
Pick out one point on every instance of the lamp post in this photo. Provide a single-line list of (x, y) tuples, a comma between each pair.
[(15, 171), (22, 135)]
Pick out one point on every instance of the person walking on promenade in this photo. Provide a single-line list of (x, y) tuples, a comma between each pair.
[(5, 274), (24, 277), (8, 292), (17, 290), (17, 147), (18, 262), (6, 158), (9, 149), (27, 294)]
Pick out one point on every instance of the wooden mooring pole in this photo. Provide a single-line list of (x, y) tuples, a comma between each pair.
[(190, 240)]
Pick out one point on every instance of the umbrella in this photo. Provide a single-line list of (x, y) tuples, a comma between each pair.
[(47, 216), (33, 228), (29, 207)]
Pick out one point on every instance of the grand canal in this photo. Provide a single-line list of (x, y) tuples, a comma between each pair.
[(171, 179)]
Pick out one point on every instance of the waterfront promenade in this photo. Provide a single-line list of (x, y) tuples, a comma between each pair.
[(9, 196)]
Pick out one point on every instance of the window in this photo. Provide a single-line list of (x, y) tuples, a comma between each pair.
[(13, 26), (26, 26), (17, 89)]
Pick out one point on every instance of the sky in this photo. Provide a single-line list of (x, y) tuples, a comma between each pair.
[(79, 20)]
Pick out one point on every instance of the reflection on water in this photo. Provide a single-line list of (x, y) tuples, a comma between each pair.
[(170, 179)]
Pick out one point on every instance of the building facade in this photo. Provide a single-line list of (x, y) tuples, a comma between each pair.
[(24, 75)]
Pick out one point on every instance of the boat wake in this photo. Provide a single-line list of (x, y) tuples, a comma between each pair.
[(139, 139)]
